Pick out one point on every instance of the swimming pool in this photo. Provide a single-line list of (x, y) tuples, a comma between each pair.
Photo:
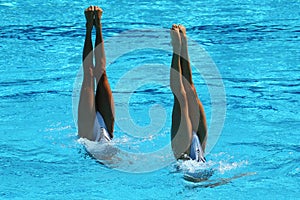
[(255, 46)]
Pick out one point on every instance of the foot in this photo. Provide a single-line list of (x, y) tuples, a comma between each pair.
[(175, 37), (89, 16), (182, 31), (98, 14)]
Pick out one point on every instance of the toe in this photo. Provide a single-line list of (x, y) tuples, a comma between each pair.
[(182, 28), (99, 10), (174, 26)]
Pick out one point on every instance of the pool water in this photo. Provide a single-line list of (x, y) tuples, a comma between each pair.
[(255, 46)]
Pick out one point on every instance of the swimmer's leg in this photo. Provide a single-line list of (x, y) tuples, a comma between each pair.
[(104, 98), (181, 130), (195, 107), (86, 108)]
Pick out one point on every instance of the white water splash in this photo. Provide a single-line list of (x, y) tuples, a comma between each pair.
[(225, 166), (221, 166)]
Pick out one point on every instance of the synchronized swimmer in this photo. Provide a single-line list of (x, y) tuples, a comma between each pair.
[(96, 106)]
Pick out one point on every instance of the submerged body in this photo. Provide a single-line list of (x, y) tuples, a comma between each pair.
[(96, 110), (188, 116)]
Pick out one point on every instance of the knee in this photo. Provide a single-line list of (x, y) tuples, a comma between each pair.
[(180, 94)]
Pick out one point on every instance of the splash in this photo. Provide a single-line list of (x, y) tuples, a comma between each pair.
[(194, 171), (224, 166)]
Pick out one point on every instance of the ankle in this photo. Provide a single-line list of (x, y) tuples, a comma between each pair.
[(98, 25), (177, 50), (88, 72), (184, 53), (89, 27)]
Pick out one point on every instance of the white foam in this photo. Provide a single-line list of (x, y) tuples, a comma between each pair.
[(193, 166), (224, 166)]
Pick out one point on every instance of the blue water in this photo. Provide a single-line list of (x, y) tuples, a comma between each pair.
[(255, 46)]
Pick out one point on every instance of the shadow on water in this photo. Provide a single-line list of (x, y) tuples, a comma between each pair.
[(216, 182)]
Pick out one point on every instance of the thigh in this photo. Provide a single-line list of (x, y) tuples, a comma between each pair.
[(104, 103), (86, 113), (181, 130)]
